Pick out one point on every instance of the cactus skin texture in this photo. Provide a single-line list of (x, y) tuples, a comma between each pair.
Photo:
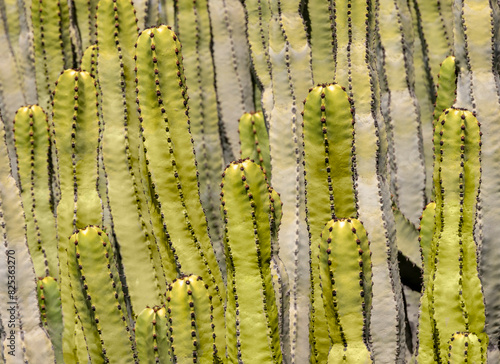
[(252, 331), (151, 336), (446, 87), (345, 263), (330, 177), (452, 300), (254, 140), (191, 325), (31, 137), (95, 279), (49, 300), (426, 232)]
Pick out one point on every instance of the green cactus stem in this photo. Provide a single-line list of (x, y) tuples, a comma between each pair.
[(85, 18), (252, 332), (254, 140), (465, 348), (151, 336), (31, 136), (452, 300), (122, 152), (171, 165), (356, 33), (446, 87), (191, 324), (426, 232), (25, 340), (193, 29), (477, 90), (52, 44), (95, 278), (233, 79), (49, 300), (344, 264), (330, 179), (89, 61)]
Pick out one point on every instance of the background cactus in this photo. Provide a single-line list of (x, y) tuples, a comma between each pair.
[(127, 150)]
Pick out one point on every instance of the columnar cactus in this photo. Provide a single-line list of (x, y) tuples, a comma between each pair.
[(252, 332), (31, 136), (98, 298), (452, 300), (345, 263), (254, 140), (49, 300), (192, 329), (151, 336)]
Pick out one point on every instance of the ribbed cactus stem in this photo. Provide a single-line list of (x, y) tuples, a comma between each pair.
[(191, 325), (31, 137), (170, 160), (254, 140), (53, 53), (89, 60), (330, 179), (252, 332), (97, 270), (426, 232), (453, 299), (151, 336), (346, 264), (465, 348), (49, 300), (446, 87)]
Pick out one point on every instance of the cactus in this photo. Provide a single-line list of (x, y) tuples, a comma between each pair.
[(452, 300), (345, 262), (151, 336), (31, 133), (254, 140), (49, 300), (251, 315), (465, 348), (98, 296), (193, 331)]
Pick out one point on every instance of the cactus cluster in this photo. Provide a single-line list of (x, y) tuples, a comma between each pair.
[(225, 181)]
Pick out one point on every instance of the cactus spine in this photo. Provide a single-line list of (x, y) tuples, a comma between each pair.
[(452, 300), (345, 263), (252, 332)]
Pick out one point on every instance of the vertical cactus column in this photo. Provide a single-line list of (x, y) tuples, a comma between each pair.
[(32, 142), (356, 35), (49, 300), (25, 340), (192, 328), (170, 159), (75, 134), (193, 29), (330, 175), (98, 297), (52, 43), (452, 300), (252, 332), (254, 140), (122, 154), (152, 337), (85, 17), (345, 264), (477, 90), (465, 348), (233, 79)]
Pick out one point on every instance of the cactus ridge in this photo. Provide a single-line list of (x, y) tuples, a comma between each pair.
[(31, 138), (465, 347), (446, 87), (152, 337)]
